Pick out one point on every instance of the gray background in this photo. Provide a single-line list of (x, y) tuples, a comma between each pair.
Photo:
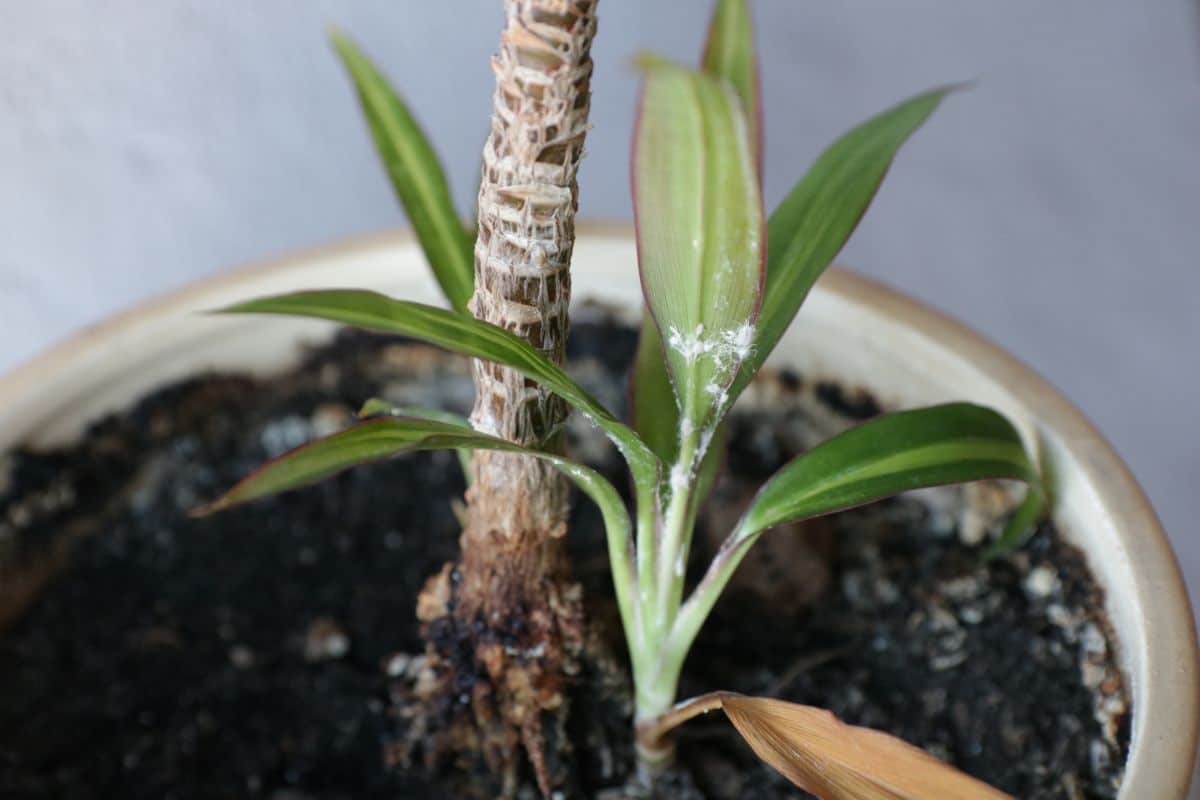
[(1054, 206)]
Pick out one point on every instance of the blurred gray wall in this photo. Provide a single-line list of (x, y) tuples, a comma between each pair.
[(1056, 206)]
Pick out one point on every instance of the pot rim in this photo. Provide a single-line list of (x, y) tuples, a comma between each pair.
[(1164, 680)]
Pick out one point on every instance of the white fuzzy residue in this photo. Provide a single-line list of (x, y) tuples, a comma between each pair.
[(726, 348), (485, 423), (740, 340), (718, 394), (690, 346), (679, 479)]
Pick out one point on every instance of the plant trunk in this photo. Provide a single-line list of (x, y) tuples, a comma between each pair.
[(510, 601), (527, 202)]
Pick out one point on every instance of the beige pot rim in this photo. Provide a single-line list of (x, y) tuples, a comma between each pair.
[(905, 350)]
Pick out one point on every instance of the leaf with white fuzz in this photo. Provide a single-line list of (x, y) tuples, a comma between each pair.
[(699, 233)]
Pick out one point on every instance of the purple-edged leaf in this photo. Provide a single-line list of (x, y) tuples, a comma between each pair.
[(391, 436), (386, 437), (378, 407), (461, 334), (810, 227), (729, 54), (700, 232), (416, 176)]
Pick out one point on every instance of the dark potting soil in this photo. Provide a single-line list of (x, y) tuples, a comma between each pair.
[(247, 654)]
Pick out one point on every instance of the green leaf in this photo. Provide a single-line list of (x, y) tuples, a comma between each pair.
[(1022, 524), (385, 437), (416, 176), (313, 462), (700, 231), (467, 336), (729, 54), (378, 407), (655, 412), (710, 467), (949, 443), (391, 436), (809, 228)]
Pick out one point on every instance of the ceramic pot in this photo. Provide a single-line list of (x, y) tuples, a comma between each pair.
[(851, 329)]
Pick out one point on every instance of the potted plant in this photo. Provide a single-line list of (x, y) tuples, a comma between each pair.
[(510, 640)]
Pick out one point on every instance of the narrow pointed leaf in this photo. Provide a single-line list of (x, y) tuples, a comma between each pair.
[(1022, 524), (942, 444), (835, 761), (655, 411), (700, 231), (729, 54), (378, 407), (416, 176), (461, 334), (710, 465), (386, 437), (360, 444), (810, 227)]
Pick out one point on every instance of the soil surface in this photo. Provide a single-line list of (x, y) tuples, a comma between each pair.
[(251, 654)]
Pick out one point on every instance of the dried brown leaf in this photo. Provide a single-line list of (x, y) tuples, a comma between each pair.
[(821, 754)]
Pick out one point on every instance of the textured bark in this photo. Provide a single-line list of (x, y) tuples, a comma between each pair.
[(508, 615), (527, 202)]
